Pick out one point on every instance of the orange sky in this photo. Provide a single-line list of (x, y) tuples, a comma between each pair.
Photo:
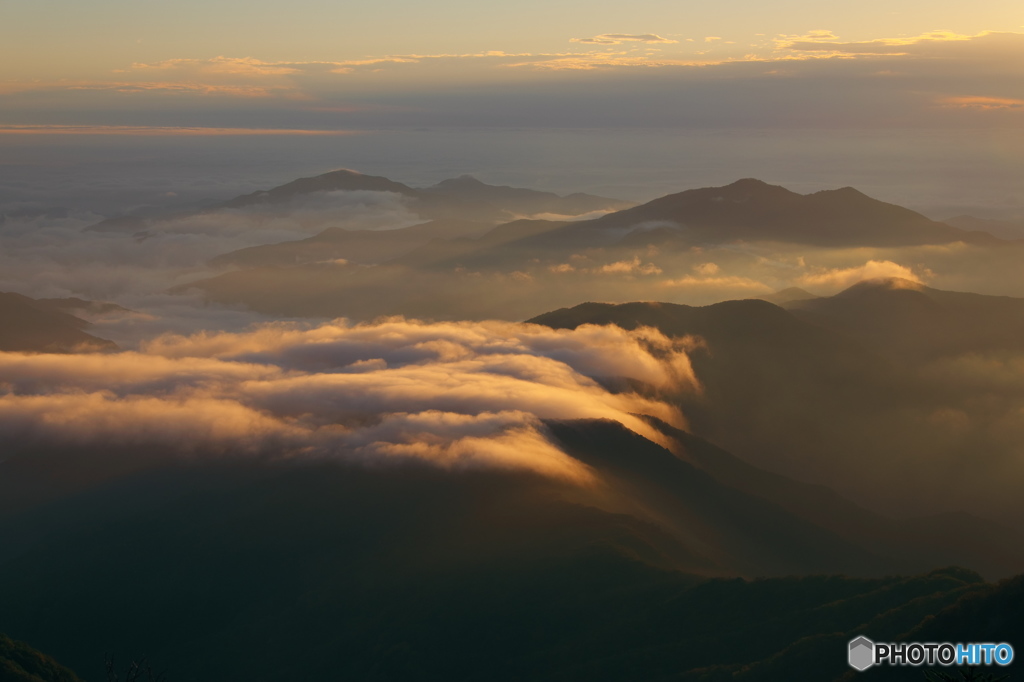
[(309, 65)]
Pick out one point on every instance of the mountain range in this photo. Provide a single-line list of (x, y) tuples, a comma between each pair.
[(746, 210), (378, 572), (754, 210), (810, 390), (676, 564), (428, 269), (461, 199), (841, 465), (906, 318)]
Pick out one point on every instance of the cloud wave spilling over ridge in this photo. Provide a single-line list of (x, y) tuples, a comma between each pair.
[(456, 394)]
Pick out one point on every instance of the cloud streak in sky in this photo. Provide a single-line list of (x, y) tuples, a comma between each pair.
[(159, 131), (619, 38)]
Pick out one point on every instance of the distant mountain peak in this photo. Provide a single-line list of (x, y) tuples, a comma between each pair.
[(749, 182), (788, 295), (342, 179), (884, 284), (342, 171), (743, 191), (845, 195), (462, 182), (751, 186), (751, 210)]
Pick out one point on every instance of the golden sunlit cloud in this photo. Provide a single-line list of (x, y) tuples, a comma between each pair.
[(619, 38), (841, 278), (628, 267), (818, 41), (235, 66), (151, 87), (727, 284), (983, 103), (456, 394), (249, 67), (591, 61), (154, 87), (159, 131)]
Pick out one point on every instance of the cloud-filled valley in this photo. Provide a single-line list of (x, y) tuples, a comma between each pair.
[(222, 312), (417, 388), (466, 394)]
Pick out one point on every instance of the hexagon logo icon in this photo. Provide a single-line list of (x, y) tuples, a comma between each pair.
[(862, 653)]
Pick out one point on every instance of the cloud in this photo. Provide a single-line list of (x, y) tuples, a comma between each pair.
[(169, 87), (619, 38), (628, 267), (398, 342), (455, 394), (158, 131), (235, 66), (992, 373), (982, 103), (251, 68), (632, 266), (46, 256), (724, 287), (600, 60), (840, 278), (828, 42)]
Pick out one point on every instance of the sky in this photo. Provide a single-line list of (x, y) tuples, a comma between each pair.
[(136, 67)]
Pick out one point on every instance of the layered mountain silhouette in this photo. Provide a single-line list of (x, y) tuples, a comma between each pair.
[(1004, 229), (668, 511), (914, 544), (830, 438), (753, 210), (459, 199), (811, 392), (906, 318), (465, 196), (767, 375), (788, 295), (354, 246), (43, 326), (984, 615), (746, 210), (378, 572)]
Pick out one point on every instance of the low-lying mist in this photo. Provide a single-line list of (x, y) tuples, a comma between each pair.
[(455, 394)]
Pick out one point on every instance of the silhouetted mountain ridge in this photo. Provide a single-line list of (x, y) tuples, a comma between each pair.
[(458, 199), (754, 210), (356, 246), (746, 210), (410, 572), (339, 180), (905, 318), (30, 325)]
